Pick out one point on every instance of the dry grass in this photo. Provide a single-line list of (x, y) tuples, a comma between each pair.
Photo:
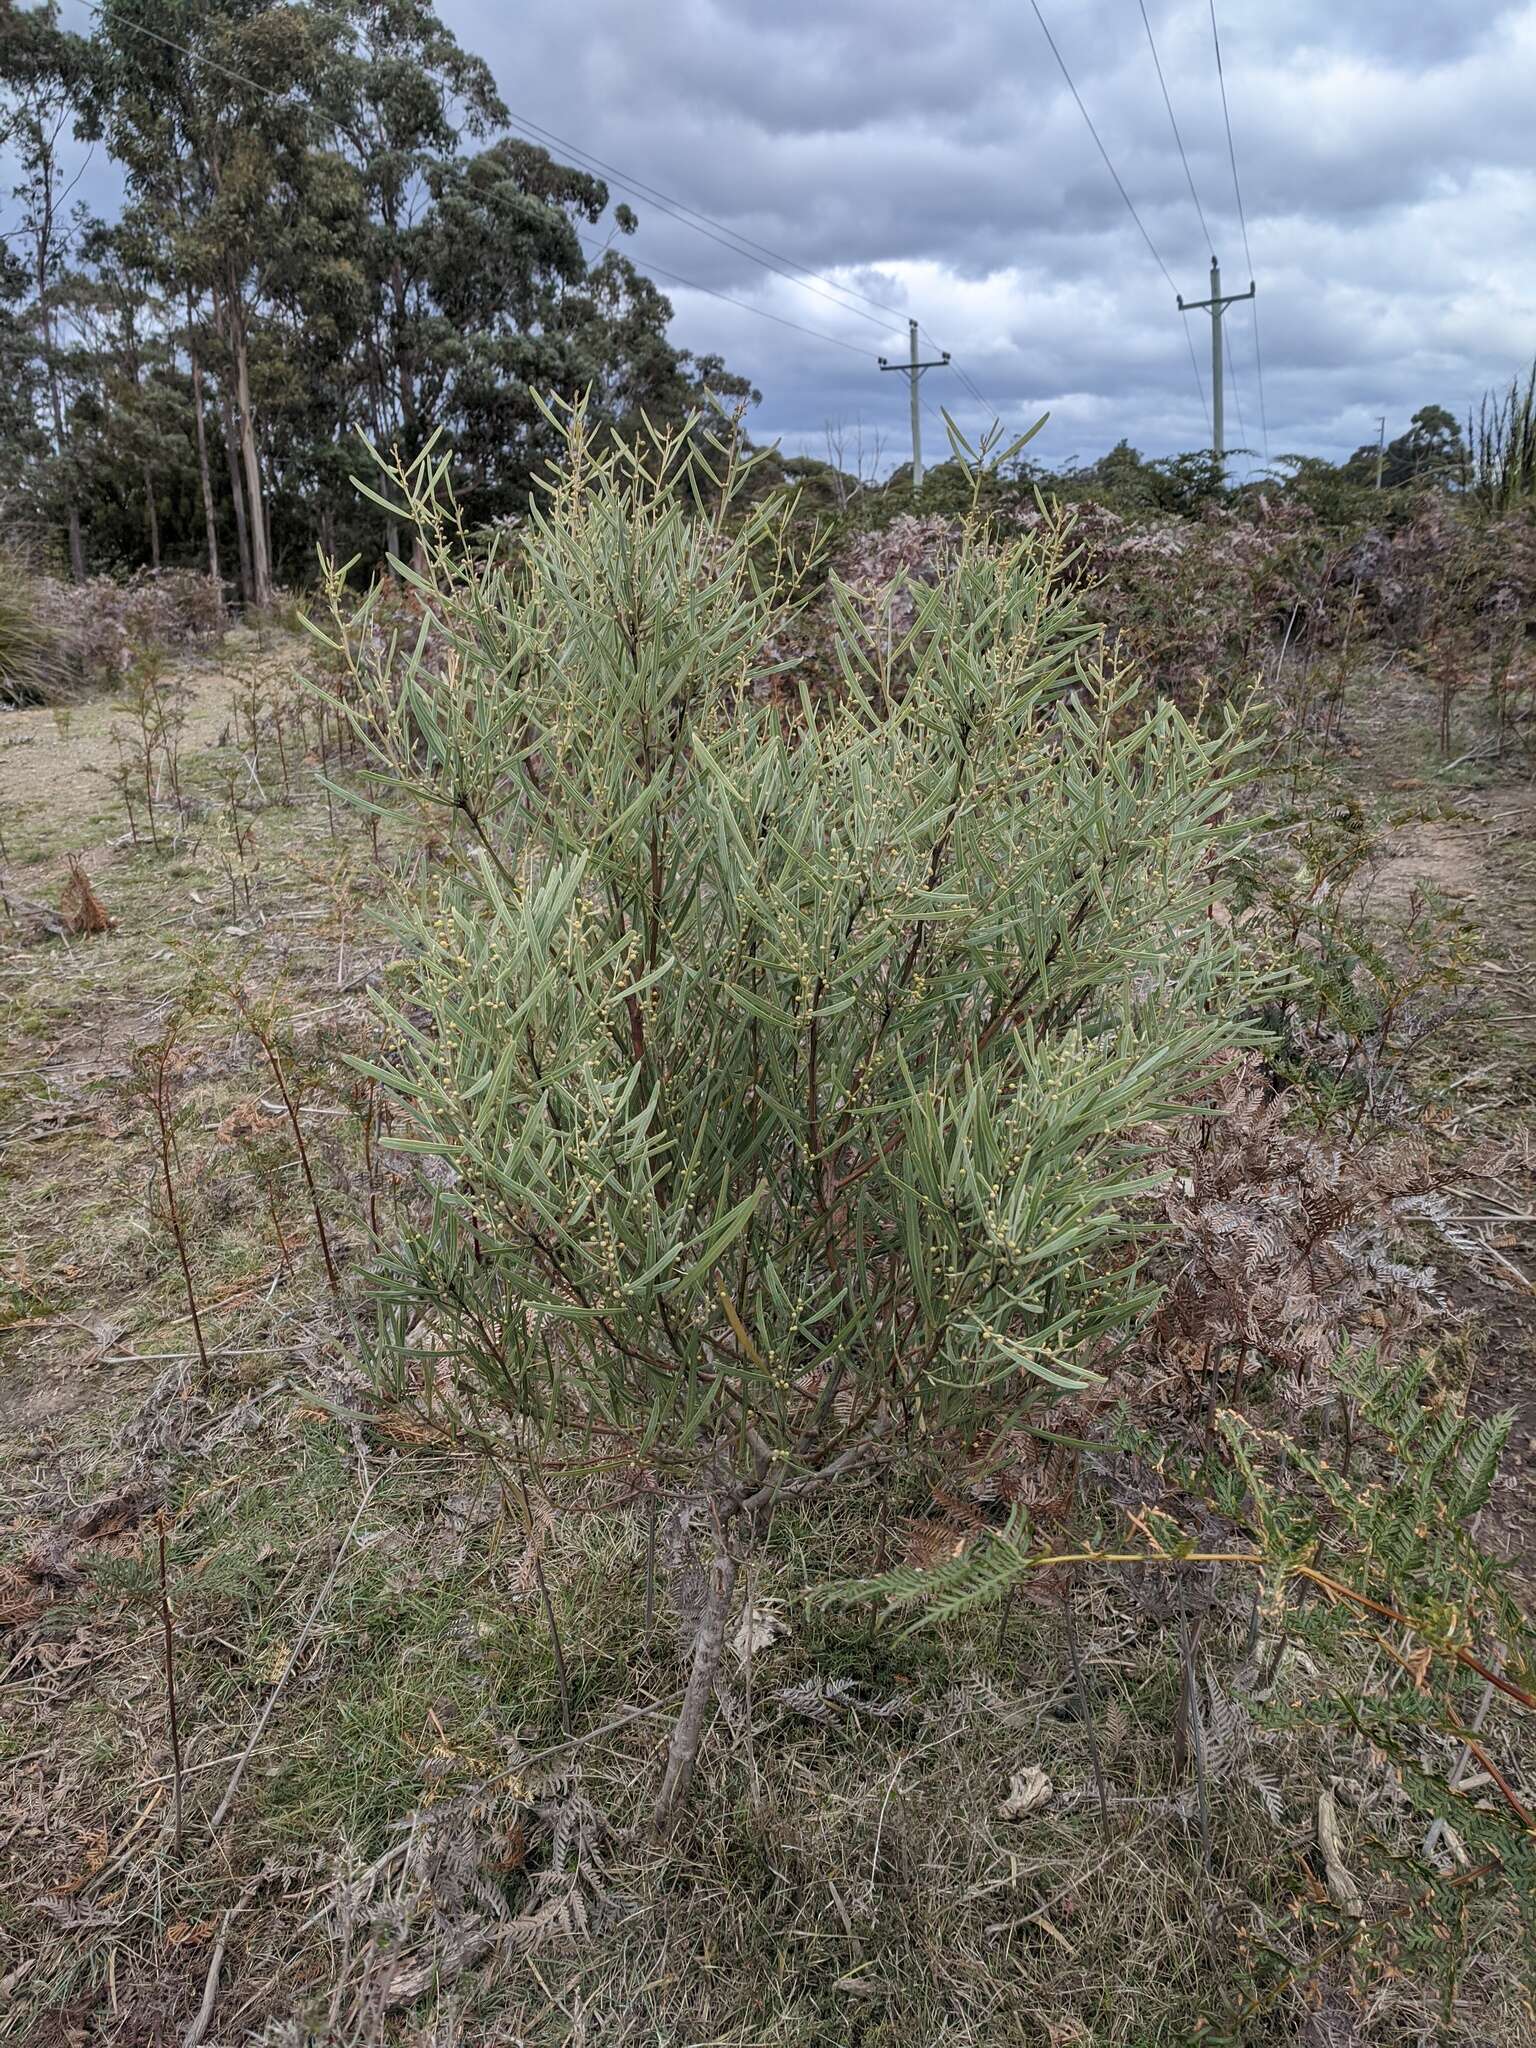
[(415, 1850)]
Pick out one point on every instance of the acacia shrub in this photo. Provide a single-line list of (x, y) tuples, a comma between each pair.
[(791, 1080)]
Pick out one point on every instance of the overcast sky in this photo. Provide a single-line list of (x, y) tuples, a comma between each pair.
[(931, 157)]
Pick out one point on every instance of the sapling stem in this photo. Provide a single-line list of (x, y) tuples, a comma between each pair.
[(170, 1693), (157, 1061), (264, 1040)]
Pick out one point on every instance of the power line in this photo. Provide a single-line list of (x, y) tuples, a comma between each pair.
[(1237, 395), (1189, 178), (1231, 151), (1242, 221), (1120, 188), (196, 56), (980, 397), (692, 285), (1258, 368), (715, 231), (1103, 152), (733, 239), (938, 421)]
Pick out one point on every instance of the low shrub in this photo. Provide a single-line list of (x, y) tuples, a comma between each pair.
[(109, 623), (88, 635), (789, 1080)]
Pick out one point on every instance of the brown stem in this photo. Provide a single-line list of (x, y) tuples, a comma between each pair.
[(265, 1042), (650, 1567), (1085, 1708), (1337, 1590), (270, 1191), (688, 1732), (370, 1102), (159, 1057), (170, 1693), (1191, 1727), (557, 1648)]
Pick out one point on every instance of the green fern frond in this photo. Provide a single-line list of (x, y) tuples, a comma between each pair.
[(982, 1574)]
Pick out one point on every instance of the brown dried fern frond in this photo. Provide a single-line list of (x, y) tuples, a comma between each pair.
[(937, 1540), (1286, 1246), (82, 910)]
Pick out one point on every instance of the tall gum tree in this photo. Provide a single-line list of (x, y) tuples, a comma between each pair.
[(42, 68)]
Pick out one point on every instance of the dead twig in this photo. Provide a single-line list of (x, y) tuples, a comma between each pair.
[(199, 2027)]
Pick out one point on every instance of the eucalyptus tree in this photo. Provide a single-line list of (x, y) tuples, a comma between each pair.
[(524, 310), (41, 66), (22, 444), (618, 320), (398, 94), (325, 234), (131, 345), (208, 107)]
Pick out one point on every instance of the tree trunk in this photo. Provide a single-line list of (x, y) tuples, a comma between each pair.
[(266, 513), (204, 476), (237, 493), (76, 546), (152, 520), (261, 569), (688, 1733)]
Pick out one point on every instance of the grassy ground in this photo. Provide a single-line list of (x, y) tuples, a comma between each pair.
[(392, 1825), (1459, 840)]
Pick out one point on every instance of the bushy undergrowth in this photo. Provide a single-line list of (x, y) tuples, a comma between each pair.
[(33, 664), (105, 624), (57, 639), (1213, 607)]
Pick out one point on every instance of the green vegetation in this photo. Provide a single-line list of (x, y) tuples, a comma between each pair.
[(790, 1079), (1503, 453), (864, 1091)]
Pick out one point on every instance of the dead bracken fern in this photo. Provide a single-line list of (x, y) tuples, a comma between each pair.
[(1284, 1245), (82, 910), (828, 1700), (511, 1864)]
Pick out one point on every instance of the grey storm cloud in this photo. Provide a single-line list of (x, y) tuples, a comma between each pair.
[(933, 159)]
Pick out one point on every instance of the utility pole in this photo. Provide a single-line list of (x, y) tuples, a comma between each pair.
[(1381, 449), (913, 370), (1217, 305)]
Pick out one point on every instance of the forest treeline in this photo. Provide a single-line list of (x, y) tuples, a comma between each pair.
[(325, 230)]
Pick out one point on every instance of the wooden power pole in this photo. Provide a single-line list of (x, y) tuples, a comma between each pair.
[(913, 370), (1217, 305)]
